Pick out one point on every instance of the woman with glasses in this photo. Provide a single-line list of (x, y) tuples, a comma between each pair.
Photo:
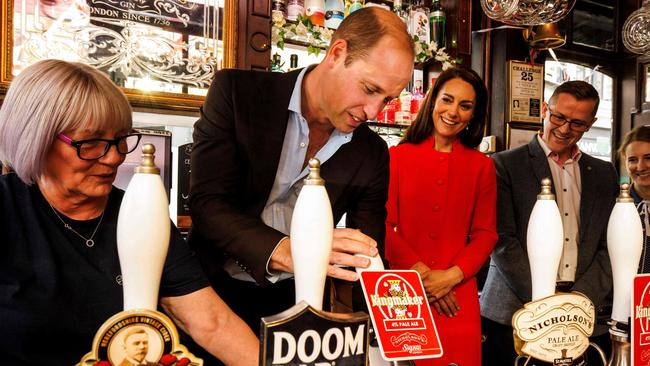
[(64, 130), (442, 209), (635, 152)]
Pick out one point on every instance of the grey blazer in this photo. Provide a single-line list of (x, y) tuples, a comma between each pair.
[(519, 173)]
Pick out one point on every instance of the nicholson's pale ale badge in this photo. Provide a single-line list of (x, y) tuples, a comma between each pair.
[(640, 321), (401, 315), (555, 329)]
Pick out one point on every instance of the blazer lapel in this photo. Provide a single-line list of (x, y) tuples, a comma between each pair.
[(588, 194), (269, 124), (540, 163)]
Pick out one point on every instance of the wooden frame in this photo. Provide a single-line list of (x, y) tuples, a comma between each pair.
[(645, 85), (518, 134), (178, 101)]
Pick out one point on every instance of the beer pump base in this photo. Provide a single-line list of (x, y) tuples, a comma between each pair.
[(621, 351), (305, 335), (163, 340)]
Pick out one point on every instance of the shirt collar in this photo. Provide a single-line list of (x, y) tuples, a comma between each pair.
[(575, 151), (295, 104)]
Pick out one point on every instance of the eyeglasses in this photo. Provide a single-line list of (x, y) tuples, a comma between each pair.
[(93, 149), (575, 125)]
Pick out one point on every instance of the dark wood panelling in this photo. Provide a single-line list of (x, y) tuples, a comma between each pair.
[(261, 8), (464, 39), (254, 35)]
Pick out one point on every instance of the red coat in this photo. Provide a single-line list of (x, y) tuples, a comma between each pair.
[(442, 212)]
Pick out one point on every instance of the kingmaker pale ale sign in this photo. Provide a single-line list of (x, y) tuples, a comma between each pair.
[(640, 322), (401, 315)]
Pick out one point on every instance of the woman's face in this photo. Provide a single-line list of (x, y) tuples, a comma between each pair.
[(453, 108), (637, 162), (68, 176)]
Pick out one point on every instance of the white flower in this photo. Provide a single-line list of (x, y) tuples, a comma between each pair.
[(301, 30), (277, 18), (275, 35), (324, 35), (418, 48)]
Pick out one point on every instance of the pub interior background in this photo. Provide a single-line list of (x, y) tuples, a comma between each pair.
[(240, 35)]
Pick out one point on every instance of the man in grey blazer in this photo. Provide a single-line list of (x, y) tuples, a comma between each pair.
[(585, 190)]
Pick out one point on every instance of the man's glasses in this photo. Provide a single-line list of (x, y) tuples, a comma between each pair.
[(93, 149), (575, 125)]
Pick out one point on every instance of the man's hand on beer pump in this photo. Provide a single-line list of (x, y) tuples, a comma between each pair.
[(345, 244)]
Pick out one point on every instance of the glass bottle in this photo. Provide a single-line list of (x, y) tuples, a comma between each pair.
[(399, 10), (276, 63), (437, 22), (334, 13), (353, 5), (279, 6), (315, 11), (403, 114), (419, 16), (295, 8), (416, 99), (293, 62)]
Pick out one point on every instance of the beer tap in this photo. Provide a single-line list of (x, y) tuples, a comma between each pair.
[(544, 240), (625, 245), (143, 230), (311, 238)]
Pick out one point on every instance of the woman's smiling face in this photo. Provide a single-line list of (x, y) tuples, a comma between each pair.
[(637, 162), (453, 109)]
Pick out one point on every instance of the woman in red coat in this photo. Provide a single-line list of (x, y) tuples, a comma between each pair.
[(441, 209)]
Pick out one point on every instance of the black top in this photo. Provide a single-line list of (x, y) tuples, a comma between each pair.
[(55, 292), (644, 263)]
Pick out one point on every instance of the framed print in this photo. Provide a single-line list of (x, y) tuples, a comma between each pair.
[(163, 53), (525, 92), (520, 134)]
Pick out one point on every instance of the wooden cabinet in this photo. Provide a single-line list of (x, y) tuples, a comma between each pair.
[(254, 35)]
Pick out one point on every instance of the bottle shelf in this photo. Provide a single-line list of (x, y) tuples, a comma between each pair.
[(304, 43), (390, 125)]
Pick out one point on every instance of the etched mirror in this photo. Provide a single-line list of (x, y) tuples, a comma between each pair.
[(163, 53)]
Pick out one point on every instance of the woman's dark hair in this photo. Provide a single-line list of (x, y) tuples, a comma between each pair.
[(471, 137), (641, 133)]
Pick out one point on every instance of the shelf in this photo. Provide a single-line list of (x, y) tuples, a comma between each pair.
[(298, 42), (390, 125)]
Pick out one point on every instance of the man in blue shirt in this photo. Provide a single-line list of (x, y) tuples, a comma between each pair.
[(257, 132)]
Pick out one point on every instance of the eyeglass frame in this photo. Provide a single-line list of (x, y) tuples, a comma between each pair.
[(571, 122), (110, 142)]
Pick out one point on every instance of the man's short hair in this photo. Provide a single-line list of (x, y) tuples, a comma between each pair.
[(364, 28), (581, 90)]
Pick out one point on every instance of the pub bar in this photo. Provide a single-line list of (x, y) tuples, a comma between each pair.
[(324, 182)]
